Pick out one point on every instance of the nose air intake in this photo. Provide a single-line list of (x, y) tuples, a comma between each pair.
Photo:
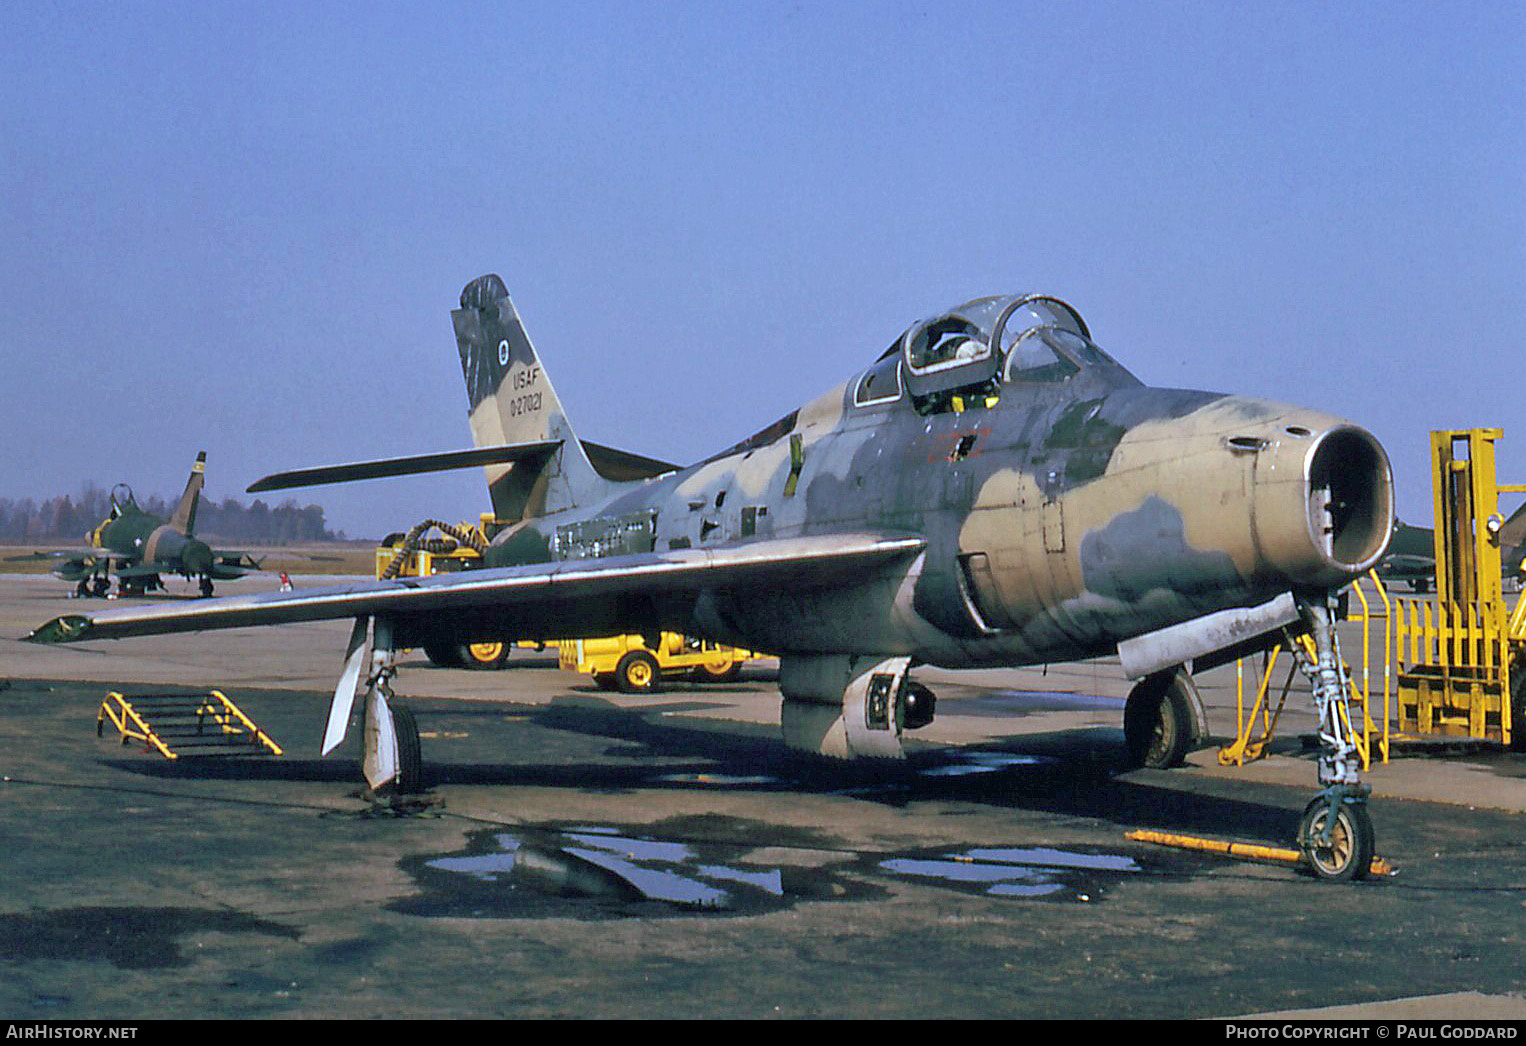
[(1350, 499)]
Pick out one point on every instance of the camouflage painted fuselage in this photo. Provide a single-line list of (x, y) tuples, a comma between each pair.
[(137, 538), (138, 546), (1063, 510)]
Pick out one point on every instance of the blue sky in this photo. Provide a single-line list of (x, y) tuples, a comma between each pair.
[(241, 227)]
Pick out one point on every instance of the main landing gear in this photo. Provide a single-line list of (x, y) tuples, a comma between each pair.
[(1162, 720), (393, 762)]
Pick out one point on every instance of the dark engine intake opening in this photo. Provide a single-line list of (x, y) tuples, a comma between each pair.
[(1351, 509)]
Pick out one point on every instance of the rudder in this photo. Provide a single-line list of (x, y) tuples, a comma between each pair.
[(184, 519)]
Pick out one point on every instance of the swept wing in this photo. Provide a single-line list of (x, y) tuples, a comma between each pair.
[(824, 560)]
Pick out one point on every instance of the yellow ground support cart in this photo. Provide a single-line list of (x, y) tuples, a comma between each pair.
[(625, 663), (459, 546), (620, 662)]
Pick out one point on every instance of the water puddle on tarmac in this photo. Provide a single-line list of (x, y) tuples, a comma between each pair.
[(965, 763), (1019, 871), (600, 872)]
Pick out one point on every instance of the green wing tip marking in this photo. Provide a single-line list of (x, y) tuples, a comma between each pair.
[(61, 630)]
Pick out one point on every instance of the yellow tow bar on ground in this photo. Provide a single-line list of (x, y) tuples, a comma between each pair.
[(1249, 851)]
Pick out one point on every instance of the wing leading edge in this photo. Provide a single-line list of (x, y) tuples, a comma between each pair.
[(826, 559)]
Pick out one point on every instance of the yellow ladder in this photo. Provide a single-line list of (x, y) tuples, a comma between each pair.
[(176, 725)]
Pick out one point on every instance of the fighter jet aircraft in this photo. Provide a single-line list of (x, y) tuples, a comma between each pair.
[(138, 547), (992, 489)]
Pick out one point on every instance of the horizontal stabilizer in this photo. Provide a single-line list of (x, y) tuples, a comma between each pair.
[(407, 466), (622, 465)]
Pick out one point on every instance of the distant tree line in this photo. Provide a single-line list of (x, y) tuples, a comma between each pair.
[(67, 518)]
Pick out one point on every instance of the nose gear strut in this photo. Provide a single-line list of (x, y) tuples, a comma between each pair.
[(1335, 832)]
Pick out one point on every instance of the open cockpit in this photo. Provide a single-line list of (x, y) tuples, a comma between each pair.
[(961, 359)]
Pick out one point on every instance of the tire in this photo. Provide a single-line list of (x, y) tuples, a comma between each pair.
[(1349, 855), (484, 657), (447, 656), (637, 673), (410, 757), (706, 674), (1158, 721)]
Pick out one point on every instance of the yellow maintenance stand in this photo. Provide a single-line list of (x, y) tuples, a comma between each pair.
[(176, 725), (1461, 670)]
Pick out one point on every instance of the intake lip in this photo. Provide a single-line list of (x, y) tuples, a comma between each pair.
[(1349, 491)]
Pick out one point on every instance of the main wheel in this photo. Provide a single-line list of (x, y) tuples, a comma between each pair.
[(445, 655), (1157, 721), (483, 656), (1349, 855), (637, 673), (410, 757)]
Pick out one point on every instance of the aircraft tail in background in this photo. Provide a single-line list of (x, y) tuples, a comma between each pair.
[(184, 519)]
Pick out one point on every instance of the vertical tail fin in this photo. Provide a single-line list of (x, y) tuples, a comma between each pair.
[(510, 400), (184, 519)]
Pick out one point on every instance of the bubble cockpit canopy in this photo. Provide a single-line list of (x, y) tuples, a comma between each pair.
[(122, 499), (962, 357)]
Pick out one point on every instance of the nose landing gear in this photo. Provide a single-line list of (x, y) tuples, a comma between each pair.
[(1335, 832)]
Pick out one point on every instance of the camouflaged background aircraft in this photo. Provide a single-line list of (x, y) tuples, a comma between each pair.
[(1411, 555), (138, 547), (994, 489)]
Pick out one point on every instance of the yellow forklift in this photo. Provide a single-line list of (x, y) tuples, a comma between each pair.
[(1462, 656)]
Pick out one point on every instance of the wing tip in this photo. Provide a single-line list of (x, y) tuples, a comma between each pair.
[(66, 629)]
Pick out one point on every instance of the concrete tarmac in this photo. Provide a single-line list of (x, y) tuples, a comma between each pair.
[(580, 854)]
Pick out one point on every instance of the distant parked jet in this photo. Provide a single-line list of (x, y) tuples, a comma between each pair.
[(138, 547), (1412, 552)]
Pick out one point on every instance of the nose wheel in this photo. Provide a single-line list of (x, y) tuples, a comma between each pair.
[(1335, 835)]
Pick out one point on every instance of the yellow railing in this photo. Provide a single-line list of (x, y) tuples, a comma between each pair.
[(130, 726), (228, 713), (1435, 669), (1250, 743)]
